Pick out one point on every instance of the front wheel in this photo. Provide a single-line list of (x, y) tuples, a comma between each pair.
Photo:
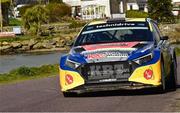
[(169, 83), (68, 94), (173, 76), (163, 78)]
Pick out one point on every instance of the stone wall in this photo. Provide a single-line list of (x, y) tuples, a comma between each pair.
[(35, 44)]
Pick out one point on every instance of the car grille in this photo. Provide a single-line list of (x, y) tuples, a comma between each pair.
[(106, 72)]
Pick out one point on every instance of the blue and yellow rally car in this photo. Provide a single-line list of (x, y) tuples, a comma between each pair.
[(118, 54)]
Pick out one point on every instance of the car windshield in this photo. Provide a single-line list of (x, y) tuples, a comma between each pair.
[(114, 34)]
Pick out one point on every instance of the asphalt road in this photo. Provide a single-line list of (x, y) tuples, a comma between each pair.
[(44, 95)]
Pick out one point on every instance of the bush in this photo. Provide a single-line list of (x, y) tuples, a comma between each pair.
[(23, 71), (136, 14), (57, 11), (76, 24), (34, 18), (23, 9)]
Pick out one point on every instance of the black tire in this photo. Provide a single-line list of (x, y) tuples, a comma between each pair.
[(68, 94), (173, 76), (169, 84), (163, 79)]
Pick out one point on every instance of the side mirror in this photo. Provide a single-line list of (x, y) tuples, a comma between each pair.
[(164, 38)]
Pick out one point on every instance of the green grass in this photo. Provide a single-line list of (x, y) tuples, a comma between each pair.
[(29, 73), (17, 38), (24, 37), (65, 32), (15, 22)]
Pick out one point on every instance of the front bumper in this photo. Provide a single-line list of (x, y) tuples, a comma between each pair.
[(110, 87), (135, 81)]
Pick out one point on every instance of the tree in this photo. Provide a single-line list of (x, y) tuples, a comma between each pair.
[(34, 18), (161, 10), (4, 7), (23, 9), (62, 9)]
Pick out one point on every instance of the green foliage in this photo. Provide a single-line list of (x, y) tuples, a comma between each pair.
[(3, 1), (57, 11), (15, 22), (34, 18), (17, 38), (55, 1), (26, 73), (136, 14), (5, 12), (23, 9), (161, 10), (76, 24)]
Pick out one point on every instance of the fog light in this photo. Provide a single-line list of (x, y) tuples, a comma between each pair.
[(148, 74), (69, 79)]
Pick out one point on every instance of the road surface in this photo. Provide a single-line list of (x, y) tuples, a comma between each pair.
[(44, 95)]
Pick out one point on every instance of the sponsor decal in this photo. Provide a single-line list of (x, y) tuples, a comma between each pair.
[(123, 25), (69, 79), (115, 25), (95, 56), (148, 74), (106, 54)]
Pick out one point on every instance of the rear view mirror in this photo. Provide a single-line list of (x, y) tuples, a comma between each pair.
[(164, 38)]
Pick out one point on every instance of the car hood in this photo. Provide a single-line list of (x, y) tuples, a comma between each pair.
[(120, 51)]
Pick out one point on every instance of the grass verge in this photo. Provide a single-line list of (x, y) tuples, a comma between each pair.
[(29, 73)]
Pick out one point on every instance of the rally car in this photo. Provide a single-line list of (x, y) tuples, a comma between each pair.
[(118, 54)]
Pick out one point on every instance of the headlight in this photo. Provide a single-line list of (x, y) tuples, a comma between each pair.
[(72, 64), (144, 59)]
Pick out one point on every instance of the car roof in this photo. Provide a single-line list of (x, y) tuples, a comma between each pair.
[(126, 20)]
